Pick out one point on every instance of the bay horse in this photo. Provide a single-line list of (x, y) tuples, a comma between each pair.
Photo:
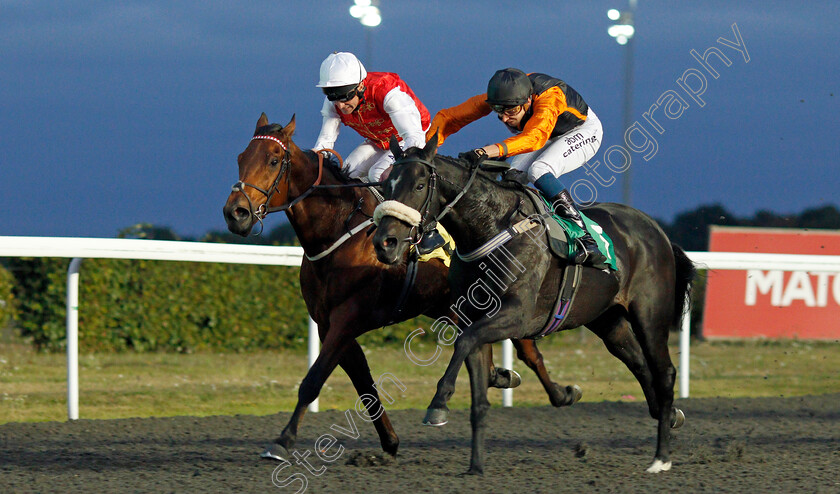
[(347, 291), (632, 309)]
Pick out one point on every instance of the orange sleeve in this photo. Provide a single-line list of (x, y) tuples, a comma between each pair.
[(547, 106), (451, 120)]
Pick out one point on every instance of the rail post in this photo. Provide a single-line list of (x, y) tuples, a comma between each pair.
[(73, 339), (507, 363), (685, 341)]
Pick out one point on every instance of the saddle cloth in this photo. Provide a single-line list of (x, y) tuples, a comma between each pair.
[(562, 233), (443, 253)]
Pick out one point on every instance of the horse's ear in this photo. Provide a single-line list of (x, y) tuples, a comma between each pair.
[(262, 122), (289, 129), (431, 146), (394, 145)]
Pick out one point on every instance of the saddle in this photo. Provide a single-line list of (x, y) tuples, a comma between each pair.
[(561, 234)]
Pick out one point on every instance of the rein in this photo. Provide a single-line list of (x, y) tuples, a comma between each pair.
[(499, 239), (409, 215), (264, 210), (425, 225)]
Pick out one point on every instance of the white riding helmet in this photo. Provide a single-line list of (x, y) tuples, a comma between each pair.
[(341, 69)]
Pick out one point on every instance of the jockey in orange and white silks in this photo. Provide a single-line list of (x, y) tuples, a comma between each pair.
[(377, 105), (555, 133)]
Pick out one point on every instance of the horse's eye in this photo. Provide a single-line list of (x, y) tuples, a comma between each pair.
[(274, 162), (419, 187)]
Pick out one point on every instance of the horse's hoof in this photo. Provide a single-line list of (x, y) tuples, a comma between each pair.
[(391, 448), (677, 419), (506, 379), (436, 417), (515, 379), (565, 396), (272, 453), (577, 393), (659, 466)]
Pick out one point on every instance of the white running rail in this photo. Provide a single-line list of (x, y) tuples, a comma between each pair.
[(89, 248), (161, 250), (740, 261)]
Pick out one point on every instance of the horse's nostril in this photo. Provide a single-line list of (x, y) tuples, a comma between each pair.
[(389, 243), (240, 214)]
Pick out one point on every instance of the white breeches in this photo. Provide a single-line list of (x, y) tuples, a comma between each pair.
[(368, 161), (564, 153)]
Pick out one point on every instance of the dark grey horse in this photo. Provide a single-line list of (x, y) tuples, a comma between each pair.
[(632, 309)]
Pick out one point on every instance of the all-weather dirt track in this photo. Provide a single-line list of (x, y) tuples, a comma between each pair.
[(726, 445)]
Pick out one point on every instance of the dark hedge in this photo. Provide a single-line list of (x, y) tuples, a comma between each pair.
[(8, 310), (127, 305)]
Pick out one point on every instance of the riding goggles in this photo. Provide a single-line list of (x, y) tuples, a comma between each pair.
[(341, 95), (506, 110)]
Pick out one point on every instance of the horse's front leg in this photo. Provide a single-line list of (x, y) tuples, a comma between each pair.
[(477, 366), (334, 343), (438, 413)]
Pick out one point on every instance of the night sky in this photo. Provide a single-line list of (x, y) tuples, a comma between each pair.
[(117, 113)]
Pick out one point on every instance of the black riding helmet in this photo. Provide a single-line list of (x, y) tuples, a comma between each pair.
[(509, 87)]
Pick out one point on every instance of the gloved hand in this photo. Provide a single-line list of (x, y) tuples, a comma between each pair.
[(474, 156), (328, 156)]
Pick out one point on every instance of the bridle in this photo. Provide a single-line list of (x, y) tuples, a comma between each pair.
[(428, 221), (421, 223), (261, 211)]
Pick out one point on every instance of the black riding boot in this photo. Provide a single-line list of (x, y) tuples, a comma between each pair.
[(588, 252)]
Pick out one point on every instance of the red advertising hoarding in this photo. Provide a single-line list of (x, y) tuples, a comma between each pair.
[(772, 303)]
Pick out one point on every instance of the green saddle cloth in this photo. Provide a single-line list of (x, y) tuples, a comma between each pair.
[(573, 232)]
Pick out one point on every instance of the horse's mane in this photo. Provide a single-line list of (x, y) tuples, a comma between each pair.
[(330, 164)]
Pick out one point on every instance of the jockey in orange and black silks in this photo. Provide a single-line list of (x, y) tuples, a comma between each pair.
[(377, 105), (551, 108), (555, 132)]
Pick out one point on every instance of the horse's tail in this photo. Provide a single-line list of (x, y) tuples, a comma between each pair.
[(685, 274)]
